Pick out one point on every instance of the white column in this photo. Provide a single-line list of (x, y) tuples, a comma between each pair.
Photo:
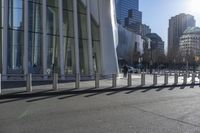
[(5, 39), (44, 55), (25, 62), (76, 36), (90, 54), (62, 70)]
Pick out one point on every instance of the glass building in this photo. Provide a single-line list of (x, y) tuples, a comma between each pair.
[(65, 36), (124, 7)]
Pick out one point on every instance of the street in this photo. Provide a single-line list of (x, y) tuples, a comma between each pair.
[(152, 110)]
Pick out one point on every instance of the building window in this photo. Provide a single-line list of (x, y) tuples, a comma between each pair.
[(16, 36), (35, 37), (68, 28), (83, 38)]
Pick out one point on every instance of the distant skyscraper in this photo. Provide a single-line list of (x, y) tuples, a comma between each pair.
[(123, 7), (177, 25)]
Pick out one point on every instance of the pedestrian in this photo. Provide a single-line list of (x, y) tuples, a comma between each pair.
[(125, 70)]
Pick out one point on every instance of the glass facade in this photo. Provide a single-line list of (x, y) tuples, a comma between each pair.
[(35, 36), (16, 36), (83, 38), (96, 46), (123, 7), (68, 33), (1, 14), (35, 22), (52, 36)]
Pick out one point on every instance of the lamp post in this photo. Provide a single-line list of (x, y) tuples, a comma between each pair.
[(151, 60), (140, 63)]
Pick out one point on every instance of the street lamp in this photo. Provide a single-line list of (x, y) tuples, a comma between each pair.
[(151, 60)]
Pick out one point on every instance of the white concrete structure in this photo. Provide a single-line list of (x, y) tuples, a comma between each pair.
[(129, 44), (67, 36)]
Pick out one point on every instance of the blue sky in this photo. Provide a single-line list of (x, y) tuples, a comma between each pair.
[(156, 13)]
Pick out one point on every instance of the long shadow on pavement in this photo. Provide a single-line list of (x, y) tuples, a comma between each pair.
[(42, 95)]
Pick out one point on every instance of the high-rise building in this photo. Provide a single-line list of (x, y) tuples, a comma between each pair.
[(130, 17), (124, 6), (139, 28), (177, 25), (66, 36)]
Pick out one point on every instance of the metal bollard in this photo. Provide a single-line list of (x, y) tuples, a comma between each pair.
[(193, 78), (175, 78), (97, 76), (55, 81), (114, 80), (170, 72), (155, 79), (77, 84), (142, 79), (166, 78), (29, 83), (0, 84), (199, 77), (185, 78), (129, 79)]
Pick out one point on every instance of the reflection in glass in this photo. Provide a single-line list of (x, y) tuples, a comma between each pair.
[(52, 35), (68, 30), (16, 14), (96, 46), (35, 53), (35, 37), (83, 39), (69, 55), (35, 17), (16, 37)]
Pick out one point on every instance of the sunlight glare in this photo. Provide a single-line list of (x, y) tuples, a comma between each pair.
[(195, 6)]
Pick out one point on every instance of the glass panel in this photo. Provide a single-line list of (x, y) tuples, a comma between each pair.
[(16, 14), (16, 36), (52, 28), (83, 39), (36, 1), (52, 21), (68, 24), (69, 55), (35, 17), (53, 3), (0, 49), (96, 56), (96, 46), (81, 7), (1, 13), (82, 23), (15, 50), (52, 52), (68, 4), (83, 53), (35, 53)]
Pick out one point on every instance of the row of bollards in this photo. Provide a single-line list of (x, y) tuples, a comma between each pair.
[(114, 80)]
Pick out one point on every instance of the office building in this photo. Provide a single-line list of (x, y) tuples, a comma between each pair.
[(124, 7), (177, 25)]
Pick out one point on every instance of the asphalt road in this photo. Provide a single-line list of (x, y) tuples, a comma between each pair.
[(158, 110)]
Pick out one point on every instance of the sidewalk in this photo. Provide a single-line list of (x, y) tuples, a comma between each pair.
[(104, 84)]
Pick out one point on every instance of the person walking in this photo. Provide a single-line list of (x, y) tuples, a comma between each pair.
[(125, 70)]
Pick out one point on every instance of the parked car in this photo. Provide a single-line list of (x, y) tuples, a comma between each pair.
[(132, 70)]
